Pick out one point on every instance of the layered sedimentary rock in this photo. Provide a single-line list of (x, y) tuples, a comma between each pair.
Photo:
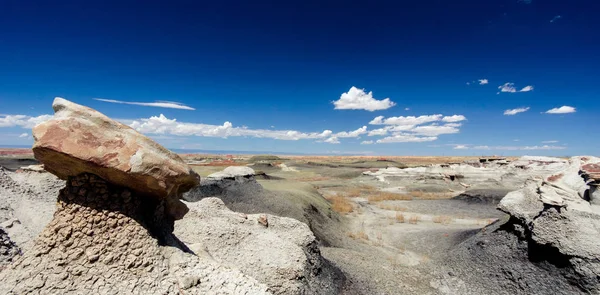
[(81, 140), (549, 243)]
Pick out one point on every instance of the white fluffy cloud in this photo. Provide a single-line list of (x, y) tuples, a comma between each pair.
[(434, 130), (355, 133), (405, 120), (454, 118), (405, 138), (526, 88), (158, 104), (358, 99), (22, 120), (333, 140), (23, 135), (510, 88), (367, 142), (561, 110), (483, 81), (412, 128), (513, 112), (163, 125), (461, 147)]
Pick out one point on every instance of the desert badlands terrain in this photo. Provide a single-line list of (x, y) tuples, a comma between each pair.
[(97, 208)]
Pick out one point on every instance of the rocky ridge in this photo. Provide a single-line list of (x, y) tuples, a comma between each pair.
[(548, 243)]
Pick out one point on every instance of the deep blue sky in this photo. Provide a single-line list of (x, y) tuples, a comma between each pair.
[(279, 65)]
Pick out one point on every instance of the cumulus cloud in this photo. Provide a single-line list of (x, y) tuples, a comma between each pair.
[(358, 99), (367, 142), (158, 104), (434, 130), (526, 88), (355, 133), (510, 88), (23, 135), (333, 140), (379, 132), (561, 110), (405, 120), (405, 138), (483, 81), (461, 147), (454, 118), (415, 128), (163, 125), (513, 112), (22, 120)]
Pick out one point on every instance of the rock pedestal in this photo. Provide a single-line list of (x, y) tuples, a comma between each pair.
[(82, 140), (106, 239)]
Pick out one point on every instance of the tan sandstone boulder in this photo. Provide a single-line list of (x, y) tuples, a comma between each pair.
[(82, 140)]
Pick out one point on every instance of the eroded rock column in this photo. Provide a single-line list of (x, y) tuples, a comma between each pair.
[(102, 237)]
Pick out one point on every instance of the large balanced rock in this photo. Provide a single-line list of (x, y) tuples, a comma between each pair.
[(107, 239), (548, 244), (81, 140)]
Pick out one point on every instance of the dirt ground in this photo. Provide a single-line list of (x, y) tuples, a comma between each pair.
[(391, 235), (387, 237)]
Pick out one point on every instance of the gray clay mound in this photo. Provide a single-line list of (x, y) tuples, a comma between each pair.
[(295, 200)]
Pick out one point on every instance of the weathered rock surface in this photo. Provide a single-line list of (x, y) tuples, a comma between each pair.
[(81, 140), (233, 172), (8, 249), (243, 193), (548, 245), (277, 251), (106, 239)]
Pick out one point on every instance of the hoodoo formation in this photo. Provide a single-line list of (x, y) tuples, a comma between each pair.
[(112, 232)]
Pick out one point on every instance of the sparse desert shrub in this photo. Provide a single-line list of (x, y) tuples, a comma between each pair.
[(387, 196), (414, 219), (442, 219), (399, 217), (340, 204), (391, 207), (361, 235), (354, 192)]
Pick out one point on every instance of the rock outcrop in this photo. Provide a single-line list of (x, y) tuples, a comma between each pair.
[(277, 251), (81, 140), (8, 249), (548, 244), (217, 184), (107, 239)]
